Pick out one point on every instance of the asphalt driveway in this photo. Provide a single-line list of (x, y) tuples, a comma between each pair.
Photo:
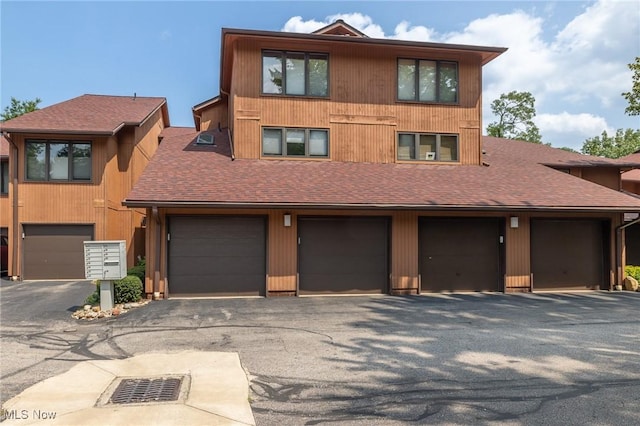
[(447, 359)]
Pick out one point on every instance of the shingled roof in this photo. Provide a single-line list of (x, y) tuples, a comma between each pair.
[(183, 173), (87, 114), (4, 146), (632, 175)]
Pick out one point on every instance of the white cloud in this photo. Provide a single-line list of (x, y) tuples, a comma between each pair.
[(584, 124), (404, 31), (297, 25), (576, 73)]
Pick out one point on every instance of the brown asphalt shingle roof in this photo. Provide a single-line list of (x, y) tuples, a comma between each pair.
[(87, 114), (4, 147), (183, 173), (632, 175)]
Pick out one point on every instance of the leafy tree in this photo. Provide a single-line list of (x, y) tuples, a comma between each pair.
[(623, 143), (18, 108), (633, 97), (566, 148), (515, 112)]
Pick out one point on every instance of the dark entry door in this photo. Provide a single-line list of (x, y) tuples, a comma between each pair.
[(343, 255), (568, 254), (461, 254), (217, 256)]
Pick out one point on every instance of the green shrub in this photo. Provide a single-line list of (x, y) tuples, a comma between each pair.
[(128, 289), (632, 271), (139, 269), (94, 298)]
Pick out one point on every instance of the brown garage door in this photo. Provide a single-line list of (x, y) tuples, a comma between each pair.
[(217, 256), (55, 251), (461, 254), (343, 255), (568, 254)]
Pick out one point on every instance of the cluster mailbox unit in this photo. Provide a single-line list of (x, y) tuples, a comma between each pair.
[(105, 261)]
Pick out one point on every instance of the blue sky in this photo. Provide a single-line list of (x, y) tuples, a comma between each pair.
[(571, 55)]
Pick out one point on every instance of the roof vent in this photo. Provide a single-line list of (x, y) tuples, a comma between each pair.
[(205, 139)]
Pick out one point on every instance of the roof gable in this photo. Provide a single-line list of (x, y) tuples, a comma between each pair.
[(340, 28)]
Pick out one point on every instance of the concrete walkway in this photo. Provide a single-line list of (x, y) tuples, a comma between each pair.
[(214, 391)]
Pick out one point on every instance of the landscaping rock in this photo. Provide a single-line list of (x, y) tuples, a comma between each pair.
[(91, 313), (630, 284)]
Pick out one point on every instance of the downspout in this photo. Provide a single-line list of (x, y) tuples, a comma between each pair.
[(14, 205), (156, 261), (619, 247)]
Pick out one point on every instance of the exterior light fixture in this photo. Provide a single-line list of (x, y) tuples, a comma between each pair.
[(514, 221), (287, 219)]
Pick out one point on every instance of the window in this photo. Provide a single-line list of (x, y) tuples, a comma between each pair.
[(427, 81), (295, 73), (427, 147), (4, 177), (295, 142), (58, 160)]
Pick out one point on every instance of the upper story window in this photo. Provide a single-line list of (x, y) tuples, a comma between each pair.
[(427, 81), (427, 147), (295, 142), (295, 73), (52, 160), (4, 177)]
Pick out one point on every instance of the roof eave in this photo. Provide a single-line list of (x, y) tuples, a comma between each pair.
[(64, 132), (426, 207)]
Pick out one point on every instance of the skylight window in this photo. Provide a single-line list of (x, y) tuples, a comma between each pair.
[(205, 139)]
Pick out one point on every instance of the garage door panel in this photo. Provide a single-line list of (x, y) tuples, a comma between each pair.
[(343, 255), (461, 254), (223, 265), (217, 256), (55, 251), (218, 247), (343, 264), (567, 254)]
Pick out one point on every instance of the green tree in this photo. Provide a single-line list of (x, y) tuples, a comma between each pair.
[(18, 108), (515, 112), (633, 97), (623, 143)]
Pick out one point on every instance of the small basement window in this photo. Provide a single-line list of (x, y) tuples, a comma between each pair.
[(205, 139)]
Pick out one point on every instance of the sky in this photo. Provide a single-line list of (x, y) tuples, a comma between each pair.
[(571, 55)]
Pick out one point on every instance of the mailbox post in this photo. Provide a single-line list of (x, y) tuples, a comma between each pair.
[(105, 261)]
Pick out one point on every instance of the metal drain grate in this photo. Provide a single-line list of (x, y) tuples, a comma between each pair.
[(131, 391)]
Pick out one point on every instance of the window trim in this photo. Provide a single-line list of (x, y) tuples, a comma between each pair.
[(283, 56), (416, 81), (283, 142), (416, 142), (70, 169), (4, 165)]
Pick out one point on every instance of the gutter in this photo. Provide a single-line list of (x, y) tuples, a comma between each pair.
[(14, 205)]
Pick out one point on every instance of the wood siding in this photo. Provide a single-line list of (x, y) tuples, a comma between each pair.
[(605, 176), (117, 163), (361, 112), (518, 255), (282, 247), (214, 114)]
